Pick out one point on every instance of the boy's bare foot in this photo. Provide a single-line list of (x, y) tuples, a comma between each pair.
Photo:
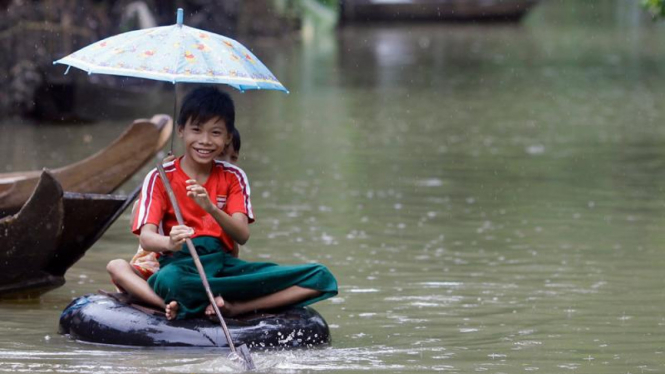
[(172, 310), (225, 307)]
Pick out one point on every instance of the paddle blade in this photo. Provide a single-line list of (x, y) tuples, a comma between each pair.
[(243, 352)]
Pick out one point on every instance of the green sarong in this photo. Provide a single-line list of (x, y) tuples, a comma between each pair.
[(231, 278)]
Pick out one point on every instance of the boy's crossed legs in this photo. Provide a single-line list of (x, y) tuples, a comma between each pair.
[(125, 277), (291, 295), (239, 286)]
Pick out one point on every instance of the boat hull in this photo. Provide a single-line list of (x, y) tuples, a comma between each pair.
[(104, 319), (51, 232), (436, 10)]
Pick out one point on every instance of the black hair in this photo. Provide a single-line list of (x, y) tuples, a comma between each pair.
[(205, 103), (235, 142)]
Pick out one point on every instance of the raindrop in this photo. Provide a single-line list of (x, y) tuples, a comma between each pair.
[(537, 149)]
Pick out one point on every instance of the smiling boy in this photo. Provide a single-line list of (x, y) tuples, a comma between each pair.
[(131, 277), (214, 197)]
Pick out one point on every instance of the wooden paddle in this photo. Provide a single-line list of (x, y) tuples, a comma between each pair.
[(242, 351)]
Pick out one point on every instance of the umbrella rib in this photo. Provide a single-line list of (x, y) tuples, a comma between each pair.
[(247, 65), (257, 67), (214, 53)]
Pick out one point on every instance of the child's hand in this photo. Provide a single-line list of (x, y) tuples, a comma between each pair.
[(200, 195), (168, 158), (178, 235)]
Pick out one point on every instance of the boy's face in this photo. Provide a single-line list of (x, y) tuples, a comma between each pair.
[(204, 141)]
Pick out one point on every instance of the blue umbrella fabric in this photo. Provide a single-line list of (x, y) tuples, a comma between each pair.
[(176, 53)]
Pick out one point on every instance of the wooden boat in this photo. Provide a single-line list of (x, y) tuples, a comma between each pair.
[(50, 233), (111, 319), (50, 219), (440, 10), (101, 173)]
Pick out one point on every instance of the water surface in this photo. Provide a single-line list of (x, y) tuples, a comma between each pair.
[(488, 196)]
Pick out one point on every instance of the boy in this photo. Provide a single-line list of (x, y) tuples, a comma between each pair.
[(215, 201), (131, 277)]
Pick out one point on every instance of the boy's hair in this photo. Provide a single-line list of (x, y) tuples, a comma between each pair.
[(235, 142), (205, 103)]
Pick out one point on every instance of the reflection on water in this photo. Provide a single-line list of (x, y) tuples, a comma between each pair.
[(488, 197)]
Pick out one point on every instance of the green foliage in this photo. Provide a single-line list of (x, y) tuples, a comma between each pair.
[(332, 4), (655, 7)]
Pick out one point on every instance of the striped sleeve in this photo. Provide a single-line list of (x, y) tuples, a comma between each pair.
[(151, 205), (238, 200)]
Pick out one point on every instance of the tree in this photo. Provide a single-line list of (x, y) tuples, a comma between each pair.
[(655, 7)]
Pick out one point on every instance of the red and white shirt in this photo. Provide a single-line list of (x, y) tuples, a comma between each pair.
[(227, 187)]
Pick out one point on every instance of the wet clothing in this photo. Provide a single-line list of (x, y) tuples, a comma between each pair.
[(231, 278), (145, 262), (227, 186)]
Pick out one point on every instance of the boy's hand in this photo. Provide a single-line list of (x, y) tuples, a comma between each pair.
[(168, 158), (200, 195), (178, 235)]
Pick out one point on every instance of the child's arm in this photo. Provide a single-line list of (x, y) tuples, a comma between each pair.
[(153, 241), (236, 225)]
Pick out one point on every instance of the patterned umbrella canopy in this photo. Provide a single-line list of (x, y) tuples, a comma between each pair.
[(176, 53)]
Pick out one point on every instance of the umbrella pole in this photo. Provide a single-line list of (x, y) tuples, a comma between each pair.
[(175, 106)]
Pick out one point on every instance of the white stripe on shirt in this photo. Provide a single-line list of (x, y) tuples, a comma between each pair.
[(244, 185), (147, 190)]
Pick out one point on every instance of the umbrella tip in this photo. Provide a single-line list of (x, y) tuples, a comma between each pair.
[(179, 17)]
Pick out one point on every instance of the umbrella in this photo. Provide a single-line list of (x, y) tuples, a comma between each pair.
[(176, 53)]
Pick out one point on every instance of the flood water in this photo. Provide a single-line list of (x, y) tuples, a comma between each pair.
[(489, 197)]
